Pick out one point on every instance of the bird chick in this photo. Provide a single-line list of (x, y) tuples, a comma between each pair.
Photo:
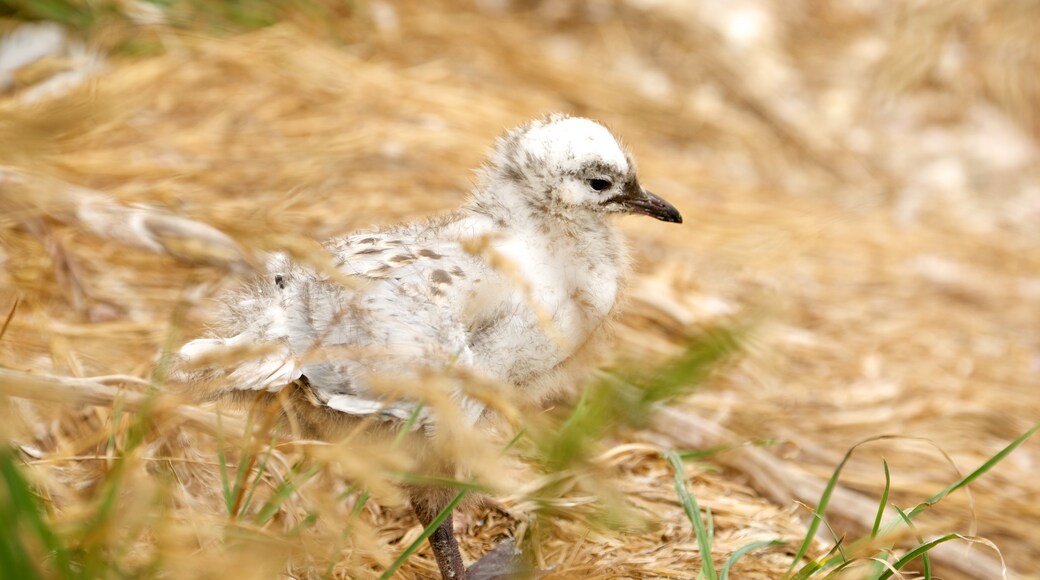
[(510, 288)]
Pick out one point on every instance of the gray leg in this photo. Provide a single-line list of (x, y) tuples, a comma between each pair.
[(445, 548)]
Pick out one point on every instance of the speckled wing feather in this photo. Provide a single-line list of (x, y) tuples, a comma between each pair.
[(404, 317)]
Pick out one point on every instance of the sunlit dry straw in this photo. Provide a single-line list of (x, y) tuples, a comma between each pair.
[(84, 391), (892, 299)]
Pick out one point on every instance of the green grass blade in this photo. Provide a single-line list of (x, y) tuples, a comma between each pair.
[(240, 481), (926, 563), (981, 470), (825, 498), (703, 354), (436, 523), (348, 492), (711, 526), (743, 551), (628, 397), (356, 511), (21, 505), (908, 517), (516, 439), (883, 502), (282, 492), (806, 571), (245, 464), (260, 470), (693, 512), (63, 11), (977, 473), (308, 520), (347, 529), (225, 484), (570, 443), (14, 558), (101, 535), (879, 563), (821, 508), (838, 569), (826, 561), (407, 426), (921, 550)]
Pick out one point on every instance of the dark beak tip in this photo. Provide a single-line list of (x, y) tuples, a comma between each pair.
[(656, 207), (650, 204), (664, 211)]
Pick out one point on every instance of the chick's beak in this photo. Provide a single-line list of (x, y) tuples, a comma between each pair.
[(639, 200)]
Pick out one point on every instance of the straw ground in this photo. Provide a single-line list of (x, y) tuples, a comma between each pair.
[(861, 187)]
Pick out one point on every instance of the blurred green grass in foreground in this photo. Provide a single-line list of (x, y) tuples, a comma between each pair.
[(129, 28), (91, 541), (84, 16)]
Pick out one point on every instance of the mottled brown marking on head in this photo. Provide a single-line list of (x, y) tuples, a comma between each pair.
[(368, 251), (458, 273), (402, 258), (592, 168), (368, 241), (440, 277), (430, 254)]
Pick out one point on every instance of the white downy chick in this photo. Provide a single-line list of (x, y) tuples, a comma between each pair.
[(510, 287)]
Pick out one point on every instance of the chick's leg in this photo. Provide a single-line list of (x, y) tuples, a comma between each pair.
[(445, 548)]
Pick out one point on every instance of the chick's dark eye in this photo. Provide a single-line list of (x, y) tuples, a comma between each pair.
[(599, 184)]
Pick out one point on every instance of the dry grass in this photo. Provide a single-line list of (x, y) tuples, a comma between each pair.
[(863, 183)]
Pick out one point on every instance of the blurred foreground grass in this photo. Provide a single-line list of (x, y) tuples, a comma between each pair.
[(88, 16), (128, 525), (855, 174)]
